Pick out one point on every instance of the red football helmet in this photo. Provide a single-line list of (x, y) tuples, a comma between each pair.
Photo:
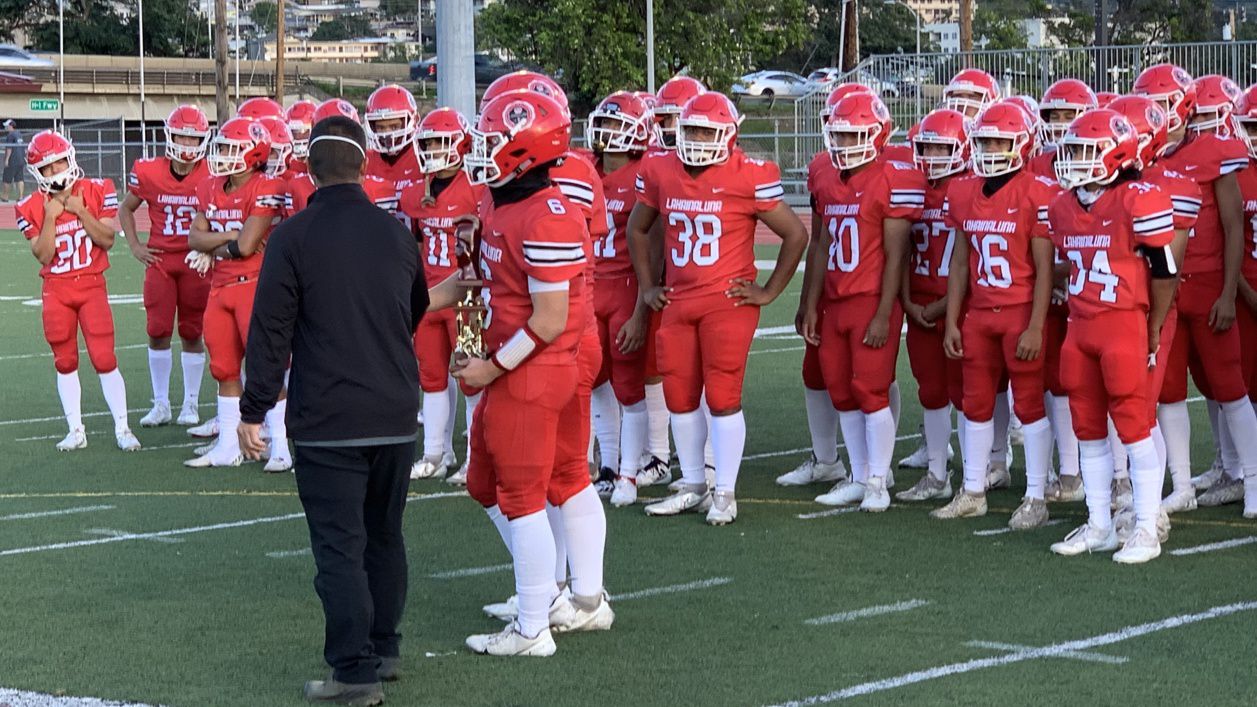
[(187, 121), (1216, 97), (259, 107), (970, 91), (839, 92), (620, 123), (441, 140), (1148, 118), (672, 97), (333, 107), (1246, 119), (525, 81), (281, 146), (1097, 147), (48, 148), (301, 122), (388, 104), (1062, 102), (1172, 87), (707, 111), (945, 127), (516, 132), (1031, 107), (857, 130), (241, 145), (1104, 98), (648, 98), (1004, 122)]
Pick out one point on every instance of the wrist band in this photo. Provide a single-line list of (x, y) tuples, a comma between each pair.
[(519, 348), (233, 249)]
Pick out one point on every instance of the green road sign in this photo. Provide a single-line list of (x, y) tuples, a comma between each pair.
[(45, 105)]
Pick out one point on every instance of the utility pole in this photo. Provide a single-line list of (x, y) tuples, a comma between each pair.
[(650, 46), (1102, 79), (851, 35), (279, 53), (455, 52), (966, 26), (220, 61)]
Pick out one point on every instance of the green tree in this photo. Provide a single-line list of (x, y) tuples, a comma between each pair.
[(265, 16), (348, 27), (994, 30), (171, 28), (888, 29)]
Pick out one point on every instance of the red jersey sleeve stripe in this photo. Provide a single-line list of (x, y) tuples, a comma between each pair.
[(547, 254), (1229, 166), (1186, 205), (577, 191), (1154, 223)]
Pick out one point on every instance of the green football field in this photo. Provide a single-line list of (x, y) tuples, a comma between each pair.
[(129, 577)]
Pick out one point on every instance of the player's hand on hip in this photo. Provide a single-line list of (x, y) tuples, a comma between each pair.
[(656, 297), (632, 335), (953, 344), (877, 333), (1029, 344), (1222, 315), (251, 442), (143, 253), (746, 292), (477, 372)]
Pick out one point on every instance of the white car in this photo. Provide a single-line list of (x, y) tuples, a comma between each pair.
[(826, 78), (13, 58), (769, 84)]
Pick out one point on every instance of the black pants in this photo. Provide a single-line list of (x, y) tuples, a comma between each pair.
[(354, 498)]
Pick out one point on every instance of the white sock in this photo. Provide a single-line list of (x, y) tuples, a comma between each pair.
[(278, 425), (1158, 440), (937, 426), (657, 422), (728, 440), (1095, 459), (689, 431), (1121, 466), (1227, 449), (1213, 410), (633, 424), (451, 393), (501, 524), (895, 404), (193, 369), (1176, 427), (1066, 440), (879, 435), (1003, 415), (228, 423), (856, 439), (1038, 450), (555, 518), (605, 411), (709, 454), (961, 435), (159, 365), (1243, 424), (436, 415), (1146, 479), (822, 423), (115, 390), (533, 553), (470, 403), (585, 529), (71, 393), (979, 438)]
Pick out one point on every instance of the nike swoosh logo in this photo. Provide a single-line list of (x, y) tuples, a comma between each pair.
[(1107, 222), (1189, 167), (859, 194), (717, 190), (1013, 211)]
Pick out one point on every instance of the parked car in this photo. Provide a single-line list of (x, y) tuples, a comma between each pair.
[(768, 84), (824, 77), (488, 68), (12, 57)]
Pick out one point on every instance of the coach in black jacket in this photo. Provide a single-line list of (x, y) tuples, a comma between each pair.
[(342, 291)]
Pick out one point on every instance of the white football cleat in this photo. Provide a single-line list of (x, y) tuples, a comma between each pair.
[(428, 467), (844, 493), (1141, 548), (724, 508), (1087, 538), (1179, 501), (1015, 434), (158, 416), (205, 430), (1065, 489), (419, 417), (278, 463), (624, 493), (126, 440), (1124, 524), (1202, 482), (709, 473), (505, 610), (812, 471), (76, 439), (876, 497), (928, 488), (566, 616), (920, 458), (217, 456), (962, 505), (188, 415), (1122, 494), (680, 502), (997, 476), (1225, 491), (458, 478), (654, 471), (1032, 513), (510, 642), (204, 449)]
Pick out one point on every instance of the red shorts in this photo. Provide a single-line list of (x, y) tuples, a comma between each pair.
[(1246, 320), (588, 363), (858, 376), (227, 317), (1104, 364), (989, 338), (614, 302), (813, 376), (434, 344), (1054, 329), (939, 379), (1156, 377), (703, 346), (651, 345), (1214, 357), (170, 286), (73, 303), (516, 436)]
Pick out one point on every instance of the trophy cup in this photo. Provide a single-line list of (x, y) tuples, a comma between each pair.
[(469, 312)]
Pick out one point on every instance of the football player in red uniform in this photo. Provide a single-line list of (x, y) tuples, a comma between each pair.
[(381, 192), (1205, 339), (391, 120), (1062, 102), (168, 185), (532, 257), (433, 206), (69, 222), (1104, 98), (259, 107), (1246, 310), (867, 206), (277, 163), (300, 116), (237, 209), (1114, 231), (671, 98), (970, 91), (1001, 271), (710, 196)]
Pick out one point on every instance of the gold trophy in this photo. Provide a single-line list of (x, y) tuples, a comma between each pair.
[(469, 312)]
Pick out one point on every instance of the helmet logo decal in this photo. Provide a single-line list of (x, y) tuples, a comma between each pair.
[(519, 115)]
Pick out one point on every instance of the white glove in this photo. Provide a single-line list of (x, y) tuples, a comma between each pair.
[(198, 261)]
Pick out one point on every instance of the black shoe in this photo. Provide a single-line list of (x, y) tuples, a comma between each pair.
[(605, 482), (390, 669), (330, 691)]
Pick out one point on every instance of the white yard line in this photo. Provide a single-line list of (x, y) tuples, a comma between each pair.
[(800, 450), (845, 616), (111, 533), (1073, 655), (470, 571), (1001, 531), (21, 698), (303, 552), (61, 418), (828, 513), (48, 354), (672, 589), (1052, 651), (764, 351), (62, 512), (1209, 547)]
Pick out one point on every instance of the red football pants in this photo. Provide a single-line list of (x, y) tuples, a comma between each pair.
[(989, 339), (1246, 320), (858, 376), (171, 286), (434, 345), (227, 315), (939, 379), (703, 345), (1055, 327), (813, 376), (71, 303), (614, 302), (1104, 365), (1214, 357)]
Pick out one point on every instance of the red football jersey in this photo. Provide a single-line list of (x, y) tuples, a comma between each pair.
[(296, 166), (402, 173), (171, 200), (933, 239), (1184, 194), (611, 252), (1000, 228), (1044, 163), (1248, 189), (1100, 243), (433, 223), (74, 253), (709, 219), (260, 196), (1204, 159), (378, 191), (854, 212), (533, 245), (899, 153)]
